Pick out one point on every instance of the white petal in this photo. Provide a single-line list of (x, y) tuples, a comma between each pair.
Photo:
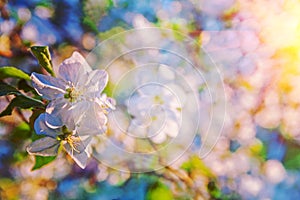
[(73, 68), (53, 121), (79, 110), (59, 113), (178, 96), (156, 127), (166, 73), (46, 146), (171, 128), (110, 102), (144, 102), (150, 89), (77, 57), (80, 157), (97, 81), (131, 104), (159, 138), (136, 104), (41, 128), (86, 139), (158, 117), (47, 86), (93, 120), (70, 72), (90, 128), (136, 129), (145, 75)]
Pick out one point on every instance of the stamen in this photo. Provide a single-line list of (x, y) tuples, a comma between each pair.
[(72, 94), (73, 142), (69, 138)]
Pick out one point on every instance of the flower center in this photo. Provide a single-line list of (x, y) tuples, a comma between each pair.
[(105, 105), (72, 140), (72, 94), (157, 99)]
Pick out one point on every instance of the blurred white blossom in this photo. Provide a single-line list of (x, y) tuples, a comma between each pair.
[(156, 113)]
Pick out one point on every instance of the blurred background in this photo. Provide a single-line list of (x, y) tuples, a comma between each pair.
[(255, 44)]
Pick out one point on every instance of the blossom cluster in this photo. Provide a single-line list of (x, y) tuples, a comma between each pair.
[(76, 110)]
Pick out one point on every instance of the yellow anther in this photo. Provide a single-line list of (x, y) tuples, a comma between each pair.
[(158, 100), (73, 142), (72, 94)]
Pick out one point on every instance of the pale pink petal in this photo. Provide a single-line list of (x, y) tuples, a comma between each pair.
[(41, 128), (73, 68), (97, 81), (171, 128), (159, 138), (150, 89), (59, 113), (46, 146), (79, 155), (137, 130), (47, 86), (92, 121)]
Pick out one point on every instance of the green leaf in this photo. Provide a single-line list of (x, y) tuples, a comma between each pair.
[(110, 4), (12, 72), (292, 163), (291, 159), (213, 190), (105, 35), (19, 156), (21, 132), (43, 55), (6, 89), (215, 193), (159, 191), (21, 102), (23, 85), (40, 161), (89, 24)]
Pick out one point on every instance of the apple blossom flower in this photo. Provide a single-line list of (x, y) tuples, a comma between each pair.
[(76, 88), (156, 113), (73, 144)]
